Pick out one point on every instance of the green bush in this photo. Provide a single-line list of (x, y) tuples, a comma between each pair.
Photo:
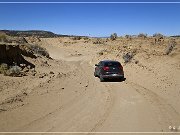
[(113, 36)]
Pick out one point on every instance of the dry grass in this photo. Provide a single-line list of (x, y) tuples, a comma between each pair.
[(76, 38), (98, 41), (171, 45), (3, 68), (39, 50), (3, 37), (127, 49)]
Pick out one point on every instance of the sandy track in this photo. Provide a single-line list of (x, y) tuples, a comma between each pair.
[(80, 103)]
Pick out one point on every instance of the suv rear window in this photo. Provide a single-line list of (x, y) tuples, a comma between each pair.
[(112, 64)]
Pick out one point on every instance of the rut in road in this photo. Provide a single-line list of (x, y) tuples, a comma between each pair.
[(55, 82), (91, 98), (111, 101), (84, 67), (167, 115)]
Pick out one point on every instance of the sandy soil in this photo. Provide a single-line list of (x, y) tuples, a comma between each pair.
[(71, 99)]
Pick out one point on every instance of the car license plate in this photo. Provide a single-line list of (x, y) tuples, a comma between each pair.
[(114, 74)]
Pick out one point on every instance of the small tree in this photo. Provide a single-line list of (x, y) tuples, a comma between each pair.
[(127, 36), (142, 35), (113, 36), (158, 35)]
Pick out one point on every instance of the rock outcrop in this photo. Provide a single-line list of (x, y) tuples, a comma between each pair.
[(13, 54)]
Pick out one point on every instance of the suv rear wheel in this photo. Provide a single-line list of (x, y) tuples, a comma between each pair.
[(95, 74), (101, 78)]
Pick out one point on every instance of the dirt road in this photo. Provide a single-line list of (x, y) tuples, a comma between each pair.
[(78, 102)]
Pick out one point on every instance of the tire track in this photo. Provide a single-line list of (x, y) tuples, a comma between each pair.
[(167, 115), (64, 106), (110, 101)]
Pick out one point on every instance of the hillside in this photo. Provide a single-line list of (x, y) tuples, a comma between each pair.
[(36, 33)]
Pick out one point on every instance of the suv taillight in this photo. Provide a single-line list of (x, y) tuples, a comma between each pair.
[(121, 67), (105, 68)]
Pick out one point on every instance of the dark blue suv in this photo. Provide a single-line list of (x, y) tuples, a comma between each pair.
[(109, 69)]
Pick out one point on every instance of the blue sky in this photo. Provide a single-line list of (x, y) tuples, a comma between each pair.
[(92, 19)]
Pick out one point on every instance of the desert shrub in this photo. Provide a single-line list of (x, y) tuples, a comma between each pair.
[(76, 38), (39, 50), (3, 37), (98, 41), (107, 39), (169, 48), (85, 38), (127, 57), (3, 68), (128, 36), (142, 35), (113, 36), (10, 71), (14, 71), (159, 38), (158, 35), (101, 52)]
